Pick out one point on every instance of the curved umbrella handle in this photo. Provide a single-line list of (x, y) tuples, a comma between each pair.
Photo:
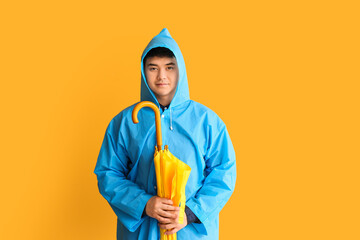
[(157, 119)]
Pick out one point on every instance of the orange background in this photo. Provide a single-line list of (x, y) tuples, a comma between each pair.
[(283, 75)]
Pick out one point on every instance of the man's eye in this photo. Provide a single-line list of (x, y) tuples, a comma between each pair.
[(152, 69), (170, 67)]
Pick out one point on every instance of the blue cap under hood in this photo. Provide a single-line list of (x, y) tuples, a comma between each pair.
[(164, 39)]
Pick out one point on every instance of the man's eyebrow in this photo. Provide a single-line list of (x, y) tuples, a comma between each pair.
[(153, 64)]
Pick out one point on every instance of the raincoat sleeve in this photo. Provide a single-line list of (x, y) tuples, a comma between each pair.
[(219, 182), (125, 197)]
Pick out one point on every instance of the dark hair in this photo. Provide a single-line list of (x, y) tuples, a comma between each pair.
[(159, 52)]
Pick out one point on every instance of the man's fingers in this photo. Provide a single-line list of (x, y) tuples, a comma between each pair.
[(170, 208), (167, 214), (163, 219), (166, 201), (167, 226), (172, 231), (173, 214)]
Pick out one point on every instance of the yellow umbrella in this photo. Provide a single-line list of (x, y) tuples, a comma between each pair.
[(171, 173)]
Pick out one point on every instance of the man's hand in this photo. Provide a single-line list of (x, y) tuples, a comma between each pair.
[(173, 226), (161, 209)]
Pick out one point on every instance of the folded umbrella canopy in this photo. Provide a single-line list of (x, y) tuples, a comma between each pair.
[(171, 173)]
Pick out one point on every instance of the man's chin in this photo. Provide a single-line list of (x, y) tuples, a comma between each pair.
[(161, 94)]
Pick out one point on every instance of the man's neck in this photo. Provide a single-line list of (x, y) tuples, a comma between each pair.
[(164, 102)]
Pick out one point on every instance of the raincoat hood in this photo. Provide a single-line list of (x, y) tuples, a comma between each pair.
[(164, 39)]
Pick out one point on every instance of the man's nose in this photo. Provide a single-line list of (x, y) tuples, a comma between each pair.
[(162, 74)]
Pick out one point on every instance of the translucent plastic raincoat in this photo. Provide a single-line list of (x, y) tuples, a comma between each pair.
[(194, 133)]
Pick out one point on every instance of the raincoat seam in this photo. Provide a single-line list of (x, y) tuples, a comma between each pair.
[(213, 140), (116, 153)]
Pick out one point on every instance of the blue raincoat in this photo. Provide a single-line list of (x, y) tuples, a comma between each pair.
[(194, 133)]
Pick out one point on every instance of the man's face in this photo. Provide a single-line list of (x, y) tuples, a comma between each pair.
[(162, 75)]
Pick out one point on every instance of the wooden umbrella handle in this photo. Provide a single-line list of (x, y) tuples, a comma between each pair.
[(157, 118)]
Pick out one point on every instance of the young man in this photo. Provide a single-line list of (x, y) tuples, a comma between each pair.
[(194, 134)]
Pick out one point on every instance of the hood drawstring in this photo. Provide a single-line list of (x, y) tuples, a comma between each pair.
[(171, 127)]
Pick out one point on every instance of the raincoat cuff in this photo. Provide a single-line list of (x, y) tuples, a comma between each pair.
[(200, 227), (146, 198), (133, 225), (191, 217)]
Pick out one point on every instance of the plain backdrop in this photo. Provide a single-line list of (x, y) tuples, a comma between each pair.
[(283, 75)]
